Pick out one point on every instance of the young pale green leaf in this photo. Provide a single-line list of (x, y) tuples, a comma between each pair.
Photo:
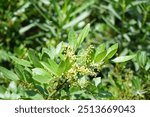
[(41, 75), (100, 57), (97, 81), (21, 61), (83, 35), (9, 74), (112, 51), (34, 58), (100, 49), (72, 38), (123, 58)]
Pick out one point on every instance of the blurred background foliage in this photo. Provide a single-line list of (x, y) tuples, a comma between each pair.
[(36, 24)]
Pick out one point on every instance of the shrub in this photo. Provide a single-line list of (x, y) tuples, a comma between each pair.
[(65, 72)]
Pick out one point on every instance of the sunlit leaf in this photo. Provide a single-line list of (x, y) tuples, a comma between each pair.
[(100, 57), (97, 81), (41, 75), (12, 87), (100, 49), (123, 58), (112, 51)]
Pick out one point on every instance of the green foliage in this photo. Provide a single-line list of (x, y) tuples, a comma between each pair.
[(75, 49), (64, 71)]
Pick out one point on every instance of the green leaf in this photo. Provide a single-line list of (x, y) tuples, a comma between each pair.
[(112, 10), (26, 28), (68, 64), (110, 24), (72, 38), (41, 75), (61, 68), (112, 51), (21, 61), (115, 13), (100, 49), (142, 59), (105, 94), (97, 81), (136, 83), (77, 19), (135, 3), (147, 67), (3, 89), (123, 58), (100, 57), (9, 74), (27, 76), (34, 58), (5, 55), (12, 87), (82, 7), (19, 71), (50, 52), (58, 48), (52, 67), (56, 7), (83, 35)]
